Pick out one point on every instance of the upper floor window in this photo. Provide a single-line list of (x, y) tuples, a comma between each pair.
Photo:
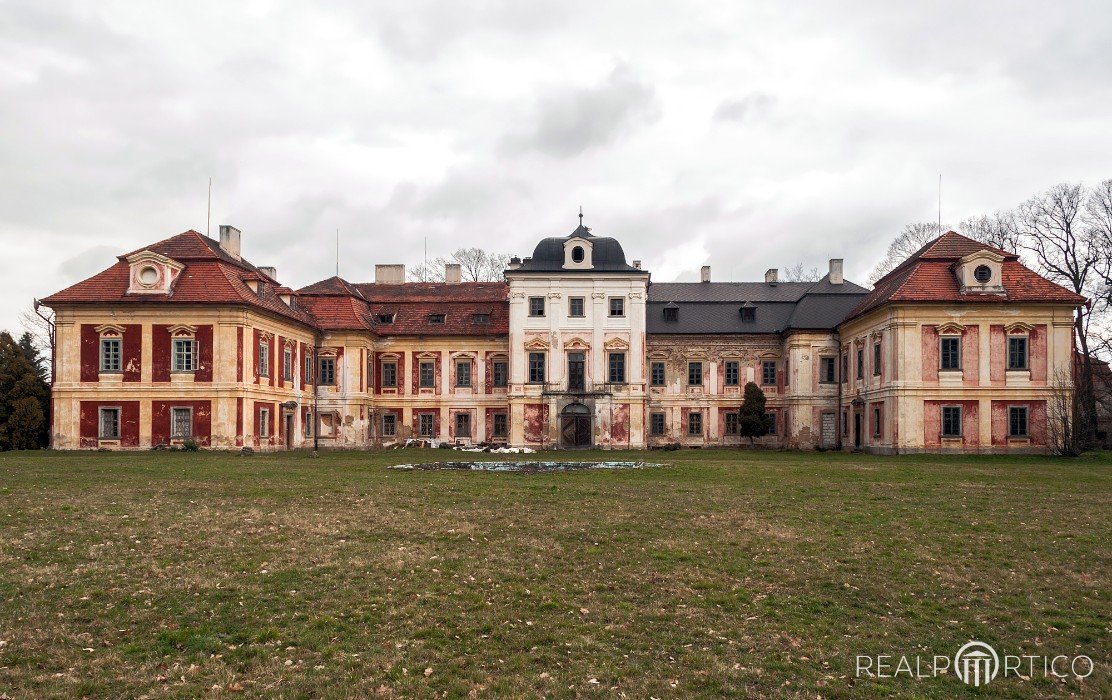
[(287, 363), (500, 370), (949, 355), (184, 355), (694, 373), (1017, 421), (264, 358), (575, 307), (768, 372), (860, 363), (463, 373), (390, 374), (617, 307), (876, 359), (1017, 353), (827, 370), (327, 371), (536, 306), (733, 373), (110, 354), (536, 367), (426, 374), (845, 366), (308, 369), (617, 368), (656, 374)]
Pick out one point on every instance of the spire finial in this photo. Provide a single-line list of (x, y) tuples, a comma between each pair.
[(580, 214)]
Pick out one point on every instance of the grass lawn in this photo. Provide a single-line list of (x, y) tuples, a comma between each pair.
[(725, 572)]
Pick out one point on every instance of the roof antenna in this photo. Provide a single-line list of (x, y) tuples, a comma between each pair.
[(208, 215), (337, 252), (940, 204)]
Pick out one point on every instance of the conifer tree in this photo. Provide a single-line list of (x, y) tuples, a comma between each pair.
[(23, 394), (752, 422)]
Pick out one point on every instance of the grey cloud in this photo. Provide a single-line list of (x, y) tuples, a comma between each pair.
[(753, 106), (88, 262)]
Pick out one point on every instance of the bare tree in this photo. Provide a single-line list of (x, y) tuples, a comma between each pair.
[(998, 230), (797, 273), (1098, 221), (39, 322), (476, 265), (1063, 416), (907, 242)]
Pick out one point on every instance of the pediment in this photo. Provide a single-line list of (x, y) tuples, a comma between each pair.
[(951, 328), (577, 344), (616, 344), (537, 344), (109, 329), (182, 329), (1018, 327)]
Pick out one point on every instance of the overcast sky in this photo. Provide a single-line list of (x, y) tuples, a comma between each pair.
[(744, 135)]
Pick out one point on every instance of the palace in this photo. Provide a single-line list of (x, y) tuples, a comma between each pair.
[(960, 348)]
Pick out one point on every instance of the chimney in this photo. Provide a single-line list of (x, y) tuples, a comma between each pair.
[(229, 240), (452, 273), (637, 264), (271, 272), (771, 276), (389, 274), (836, 271), (705, 273)]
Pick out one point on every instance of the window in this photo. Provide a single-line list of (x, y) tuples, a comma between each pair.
[(308, 372), (110, 355), (181, 423), (577, 254), (385, 318), (733, 372), (184, 359), (860, 363), (845, 423), (748, 314), (656, 374), (328, 371), (671, 314), (732, 424), (827, 371), (264, 422), (949, 355), (617, 368), (436, 318), (617, 307), (656, 424), (500, 369), (390, 374), (536, 367), (951, 421), (308, 427), (694, 373), (287, 364), (482, 318), (1017, 421), (983, 273), (499, 429), (463, 373), (389, 425), (876, 359), (845, 366), (1017, 353), (463, 425), (264, 358), (427, 374), (876, 421), (770, 421), (768, 372), (695, 423), (110, 424), (425, 425), (536, 306), (575, 307)]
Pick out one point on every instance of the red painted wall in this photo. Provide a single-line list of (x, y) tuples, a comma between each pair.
[(1036, 421), (534, 421), (90, 353), (160, 421), (132, 349), (89, 422), (239, 420), (1037, 351), (997, 355), (239, 353), (160, 352), (930, 355), (273, 439), (971, 356), (970, 422), (204, 354), (619, 427)]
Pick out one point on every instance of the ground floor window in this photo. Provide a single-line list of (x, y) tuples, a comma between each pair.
[(499, 427), (695, 423), (951, 421), (110, 423), (308, 427), (181, 423), (425, 425), (389, 425), (1017, 421), (770, 421), (656, 424), (264, 422), (732, 424), (876, 422), (463, 425)]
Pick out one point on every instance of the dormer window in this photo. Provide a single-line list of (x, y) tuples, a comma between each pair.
[(577, 254), (748, 314), (148, 276), (385, 318), (980, 273), (671, 313), (436, 318), (482, 318), (151, 273)]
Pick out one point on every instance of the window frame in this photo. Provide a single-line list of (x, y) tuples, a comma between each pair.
[(692, 365), (173, 422), (537, 307), (653, 417), (326, 378), (287, 363), (175, 355), (765, 366), (610, 307), (770, 422), (499, 431), (582, 307), (499, 374), (390, 419), (860, 362), (748, 314), (118, 355), (877, 359), (464, 364), (1026, 345), (421, 374), (264, 422), (421, 425), (732, 426), (307, 369), (117, 411), (731, 367), (695, 424), (537, 367), (671, 314), (616, 367), (262, 360), (943, 420), (1013, 413), (943, 340), (878, 426), (653, 365), (464, 416), (389, 374), (833, 374)]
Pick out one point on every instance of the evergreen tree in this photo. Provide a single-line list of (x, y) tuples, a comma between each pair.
[(31, 352), (23, 394), (752, 422)]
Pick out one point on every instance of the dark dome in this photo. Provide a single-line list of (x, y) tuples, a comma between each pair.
[(606, 256)]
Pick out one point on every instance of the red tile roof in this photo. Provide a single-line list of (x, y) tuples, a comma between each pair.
[(928, 276)]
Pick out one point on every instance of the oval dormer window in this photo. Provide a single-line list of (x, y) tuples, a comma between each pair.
[(577, 254), (982, 274), (148, 276)]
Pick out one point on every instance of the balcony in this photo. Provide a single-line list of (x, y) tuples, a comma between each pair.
[(583, 388)]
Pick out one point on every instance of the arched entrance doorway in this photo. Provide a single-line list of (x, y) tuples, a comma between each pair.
[(575, 426)]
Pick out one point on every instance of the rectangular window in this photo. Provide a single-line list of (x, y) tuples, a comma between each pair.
[(481, 318), (617, 307), (390, 374), (949, 356), (264, 359), (695, 423), (181, 423), (656, 424), (694, 373), (427, 374), (748, 314), (770, 422), (501, 372), (671, 314), (860, 363), (768, 372), (110, 423), (656, 374), (425, 425), (575, 307), (951, 421), (308, 376), (436, 318), (308, 427), (733, 372), (385, 318), (185, 359), (827, 370), (463, 373), (1017, 421), (1017, 353), (876, 422), (389, 425), (617, 369), (499, 429), (328, 371), (264, 422), (536, 367), (287, 364), (876, 360), (845, 367), (536, 306), (463, 425), (732, 424), (110, 355)]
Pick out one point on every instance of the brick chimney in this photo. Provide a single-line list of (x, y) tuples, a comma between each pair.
[(453, 274), (389, 274), (836, 271), (704, 274), (229, 240), (771, 276)]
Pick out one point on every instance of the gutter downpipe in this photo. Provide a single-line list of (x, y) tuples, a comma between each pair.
[(838, 410), (316, 383)]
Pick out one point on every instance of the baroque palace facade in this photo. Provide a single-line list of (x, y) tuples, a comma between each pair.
[(960, 348)]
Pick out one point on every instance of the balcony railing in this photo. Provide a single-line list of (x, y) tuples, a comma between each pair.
[(582, 388)]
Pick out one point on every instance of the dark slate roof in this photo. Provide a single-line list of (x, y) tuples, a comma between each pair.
[(606, 255), (714, 307)]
